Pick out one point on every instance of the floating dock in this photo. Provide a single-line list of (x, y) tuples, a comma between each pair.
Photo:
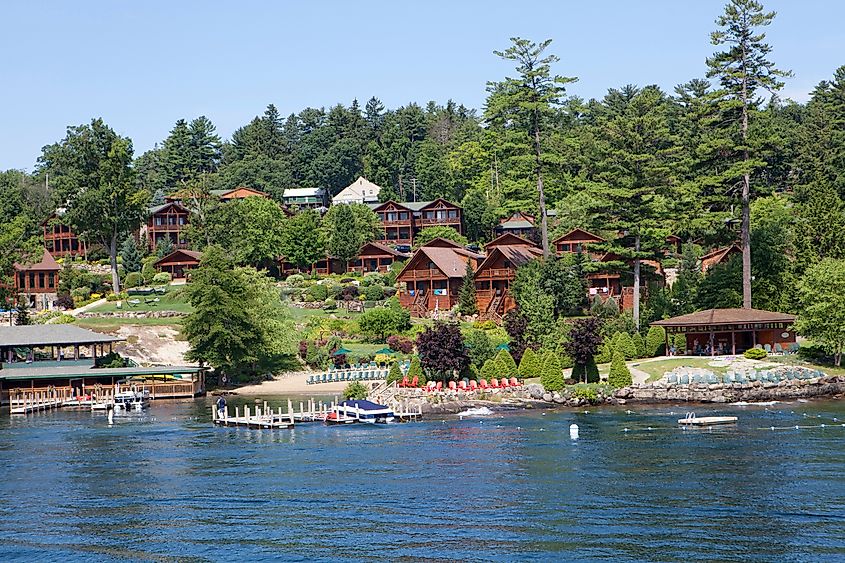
[(692, 420)]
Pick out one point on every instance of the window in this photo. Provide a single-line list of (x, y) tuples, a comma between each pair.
[(51, 281), (453, 214), (21, 280), (403, 216), (31, 280), (158, 221), (41, 280), (564, 247)]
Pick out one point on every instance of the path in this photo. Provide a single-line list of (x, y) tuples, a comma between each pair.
[(86, 308)]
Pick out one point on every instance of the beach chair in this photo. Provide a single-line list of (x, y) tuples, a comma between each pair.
[(439, 386), (310, 380), (683, 379), (463, 386), (483, 384), (494, 383), (515, 382), (453, 386), (778, 349), (767, 348), (503, 383), (473, 385), (404, 382), (415, 382), (671, 378)]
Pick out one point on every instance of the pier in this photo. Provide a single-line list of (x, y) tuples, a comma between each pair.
[(36, 401), (257, 418)]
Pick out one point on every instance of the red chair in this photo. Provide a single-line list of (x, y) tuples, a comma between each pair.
[(439, 386), (504, 383), (415, 382), (431, 387), (515, 382), (404, 382), (494, 383), (453, 386), (483, 384), (473, 385), (462, 386)]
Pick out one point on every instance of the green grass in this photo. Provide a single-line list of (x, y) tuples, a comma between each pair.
[(170, 301), (656, 369)]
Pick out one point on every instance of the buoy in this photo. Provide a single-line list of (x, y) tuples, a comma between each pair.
[(573, 431), (111, 417)]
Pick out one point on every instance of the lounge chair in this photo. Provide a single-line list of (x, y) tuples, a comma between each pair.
[(453, 386), (671, 378), (415, 382), (683, 379), (515, 382), (439, 386), (463, 385), (778, 349), (483, 384), (494, 383), (503, 383), (473, 385), (711, 378), (767, 348), (310, 380)]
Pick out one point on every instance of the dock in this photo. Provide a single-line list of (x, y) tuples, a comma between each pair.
[(691, 420), (36, 401), (259, 417)]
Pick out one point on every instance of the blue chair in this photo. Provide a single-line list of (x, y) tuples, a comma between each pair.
[(711, 378), (671, 378), (310, 380), (767, 348), (684, 379)]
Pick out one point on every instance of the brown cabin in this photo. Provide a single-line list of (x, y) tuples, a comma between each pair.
[(397, 220), (60, 240), (519, 223), (718, 256), (494, 275), (440, 213), (240, 192), (577, 240), (38, 283), (323, 266), (179, 262), (402, 221), (375, 257), (168, 221), (433, 276)]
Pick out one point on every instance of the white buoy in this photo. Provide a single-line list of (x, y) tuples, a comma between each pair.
[(111, 417), (573, 431)]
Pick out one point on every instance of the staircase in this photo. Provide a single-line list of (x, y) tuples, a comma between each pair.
[(419, 307), (495, 307)]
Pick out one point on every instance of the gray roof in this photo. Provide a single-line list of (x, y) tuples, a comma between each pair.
[(49, 335), (33, 371), (517, 224)]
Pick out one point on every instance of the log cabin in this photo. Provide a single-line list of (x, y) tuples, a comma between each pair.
[(577, 240), (168, 221), (718, 256), (38, 282), (179, 262), (375, 257), (520, 224), (401, 222), (240, 192), (432, 278), (59, 238), (495, 274)]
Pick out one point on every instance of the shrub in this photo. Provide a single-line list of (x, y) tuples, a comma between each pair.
[(64, 301), (349, 293), (294, 280), (755, 354), (373, 278), (489, 370), (626, 345), (81, 293), (148, 271), (507, 365), (374, 293), (552, 378), (588, 372), (415, 370), (619, 375), (484, 325), (587, 393), (318, 292), (529, 365), (161, 278), (382, 321), (680, 343), (639, 344), (355, 390), (395, 374), (400, 344), (329, 303), (389, 291), (112, 360), (655, 341), (605, 352)]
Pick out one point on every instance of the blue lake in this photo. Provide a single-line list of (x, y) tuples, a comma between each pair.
[(508, 487)]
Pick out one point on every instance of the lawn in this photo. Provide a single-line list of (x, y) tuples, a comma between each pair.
[(655, 369), (170, 301), (299, 314)]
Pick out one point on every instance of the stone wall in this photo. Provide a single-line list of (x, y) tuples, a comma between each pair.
[(660, 392)]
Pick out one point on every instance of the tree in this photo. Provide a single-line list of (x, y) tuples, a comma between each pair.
[(164, 247), (821, 312), (529, 365), (415, 370), (18, 244), (517, 328), (260, 232), (583, 342), (395, 374), (381, 321), (441, 350), (639, 344), (682, 294), (300, 239), (490, 369), (346, 228), (742, 70), (506, 363), (355, 391), (467, 304), (91, 169), (679, 341), (479, 347), (655, 341), (22, 312), (625, 343), (552, 378), (428, 234), (619, 375), (130, 257), (529, 99)]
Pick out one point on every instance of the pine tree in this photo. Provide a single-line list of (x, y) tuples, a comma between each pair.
[(130, 256), (742, 70), (620, 375), (552, 378), (626, 344), (655, 341), (680, 343), (529, 365), (395, 374), (22, 312), (415, 370), (506, 363), (467, 304), (164, 247), (490, 369), (639, 345)]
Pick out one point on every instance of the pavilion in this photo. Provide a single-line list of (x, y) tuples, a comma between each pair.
[(730, 331)]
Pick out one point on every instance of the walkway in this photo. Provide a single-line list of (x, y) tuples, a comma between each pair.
[(86, 308)]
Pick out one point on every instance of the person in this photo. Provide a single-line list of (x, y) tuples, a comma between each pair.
[(221, 407)]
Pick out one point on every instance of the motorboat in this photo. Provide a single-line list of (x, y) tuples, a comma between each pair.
[(132, 399), (360, 410)]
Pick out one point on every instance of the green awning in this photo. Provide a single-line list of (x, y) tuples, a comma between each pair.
[(503, 346), (341, 352), (385, 351)]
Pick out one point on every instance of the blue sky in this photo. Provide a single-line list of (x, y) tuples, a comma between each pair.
[(143, 65)]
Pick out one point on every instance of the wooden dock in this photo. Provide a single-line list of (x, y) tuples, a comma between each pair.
[(257, 418), (35, 401)]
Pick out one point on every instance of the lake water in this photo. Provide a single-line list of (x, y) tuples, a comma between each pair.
[(513, 486)]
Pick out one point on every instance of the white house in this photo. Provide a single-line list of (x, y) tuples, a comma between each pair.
[(359, 191)]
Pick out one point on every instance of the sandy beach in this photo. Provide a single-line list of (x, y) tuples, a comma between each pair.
[(293, 383)]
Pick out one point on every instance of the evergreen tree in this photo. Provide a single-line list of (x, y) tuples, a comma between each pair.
[(626, 345), (639, 345), (22, 312), (619, 375), (679, 341), (467, 304), (395, 374), (164, 247), (479, 347), (552, 378), (130, 256), (530, 366), (683, 292), (506, 363), (655, 341), (742, 70), (490, 369), (205, 147)]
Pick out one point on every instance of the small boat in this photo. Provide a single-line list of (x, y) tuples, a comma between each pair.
[(359, 410), (132, 400), (691, 420)]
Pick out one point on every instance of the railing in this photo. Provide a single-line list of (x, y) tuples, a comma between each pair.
[(498, 273), (445, 221)]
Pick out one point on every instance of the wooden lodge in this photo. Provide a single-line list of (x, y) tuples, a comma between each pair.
[(324, 266), (494, 275), (59, 238), (168, 221), (63, 357), (432, 278), (718, 256), (402, 221), (375, 257), (240, 192), (38, 282), (578, 240), (179, 262), (519, 223), (730, 331)]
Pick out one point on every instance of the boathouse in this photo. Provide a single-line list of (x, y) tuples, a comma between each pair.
[(432, 278), (179, 262), (65, 357), (38, 283), (495, 274), (730, 331)]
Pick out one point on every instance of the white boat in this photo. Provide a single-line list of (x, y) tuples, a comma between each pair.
[(360, 410), (132, 400)]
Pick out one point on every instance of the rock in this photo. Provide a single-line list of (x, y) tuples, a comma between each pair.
[(547, 397), (535, 391), (558, 399)]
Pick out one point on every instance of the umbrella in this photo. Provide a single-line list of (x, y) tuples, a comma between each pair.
[(503, 346), (341, 352), (385, 351)]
